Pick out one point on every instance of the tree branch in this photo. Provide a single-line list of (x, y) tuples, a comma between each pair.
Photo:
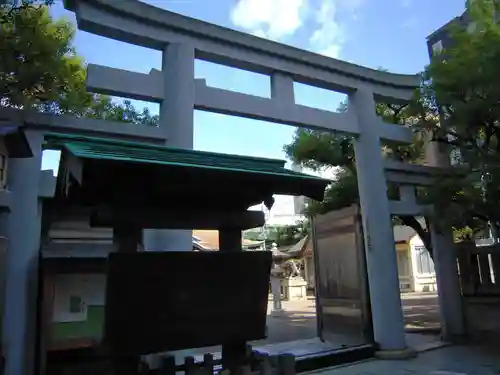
[(423, 233)]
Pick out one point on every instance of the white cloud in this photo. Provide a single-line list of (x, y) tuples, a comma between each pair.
[(333, 50), (272, 19), (328, 37), (279, 19), (330, 20)]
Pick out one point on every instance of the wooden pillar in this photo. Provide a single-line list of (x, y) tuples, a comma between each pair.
[(230, 239), (3, 271), (126, 240), (233, 353), (48, 297)]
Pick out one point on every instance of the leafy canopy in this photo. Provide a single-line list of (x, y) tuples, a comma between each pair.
[(463, 82), (41, 70), (466, 123), (320, 150)]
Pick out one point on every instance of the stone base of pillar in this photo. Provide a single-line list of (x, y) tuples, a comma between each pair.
[(294, 288), (277, 312), (407, 353), (277, 308), (276, 291)]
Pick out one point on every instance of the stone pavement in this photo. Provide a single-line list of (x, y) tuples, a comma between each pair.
[(450, 360), (421, 311), (298, 321), (295, 331)]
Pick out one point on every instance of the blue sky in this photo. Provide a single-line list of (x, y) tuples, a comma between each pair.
[(374, 33)]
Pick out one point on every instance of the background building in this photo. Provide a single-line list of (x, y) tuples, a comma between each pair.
[(415, 265), (441, 38)]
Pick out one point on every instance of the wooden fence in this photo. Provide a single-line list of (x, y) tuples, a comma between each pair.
[(479, 269)]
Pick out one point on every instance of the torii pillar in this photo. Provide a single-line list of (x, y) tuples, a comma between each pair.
[(177, 121), (23, 233), (445, 261), (380, 252)]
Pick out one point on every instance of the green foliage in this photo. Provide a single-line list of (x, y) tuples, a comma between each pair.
[(342, 193), (41, 70), (319, 150), (103, 107), (283, 235), (464, 81), (287, 235), (326, 150)]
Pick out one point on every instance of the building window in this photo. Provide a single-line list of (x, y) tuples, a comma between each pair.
[(437, 47), (75, 305), (425, 265), (3, 171)]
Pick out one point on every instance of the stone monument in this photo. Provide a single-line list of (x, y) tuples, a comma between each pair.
[(275, 279)]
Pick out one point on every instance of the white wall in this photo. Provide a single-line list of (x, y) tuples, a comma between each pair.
[(89, 287), (415, 244), (423, 282), (285, 220)]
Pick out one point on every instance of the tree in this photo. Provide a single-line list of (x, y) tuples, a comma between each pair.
[(41, 70), (103, 107), (319, 150), (458, 104), (462, 83), (282, 235), (289, 235)]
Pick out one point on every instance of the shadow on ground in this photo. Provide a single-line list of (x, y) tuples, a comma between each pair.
[(291, 325), (421, 313), (298, 320)]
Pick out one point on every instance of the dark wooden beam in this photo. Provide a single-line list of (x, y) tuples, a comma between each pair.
[(126, 239), (234, 351), (179, 219), (75, 265)]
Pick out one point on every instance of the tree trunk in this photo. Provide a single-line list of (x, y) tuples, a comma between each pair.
[(423, 233)]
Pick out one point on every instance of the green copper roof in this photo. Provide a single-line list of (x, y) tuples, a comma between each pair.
[(137, 152)]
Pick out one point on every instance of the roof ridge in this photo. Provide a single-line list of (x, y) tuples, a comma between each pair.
[(83, 138)]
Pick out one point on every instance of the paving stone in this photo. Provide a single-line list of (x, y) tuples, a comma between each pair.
[(451, 360)]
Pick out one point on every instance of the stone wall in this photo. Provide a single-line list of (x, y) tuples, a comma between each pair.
[(482, 316)]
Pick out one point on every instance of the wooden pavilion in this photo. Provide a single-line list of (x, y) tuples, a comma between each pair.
[(130, 186)]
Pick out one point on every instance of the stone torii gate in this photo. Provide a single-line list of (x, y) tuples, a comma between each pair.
[(182, 40)]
